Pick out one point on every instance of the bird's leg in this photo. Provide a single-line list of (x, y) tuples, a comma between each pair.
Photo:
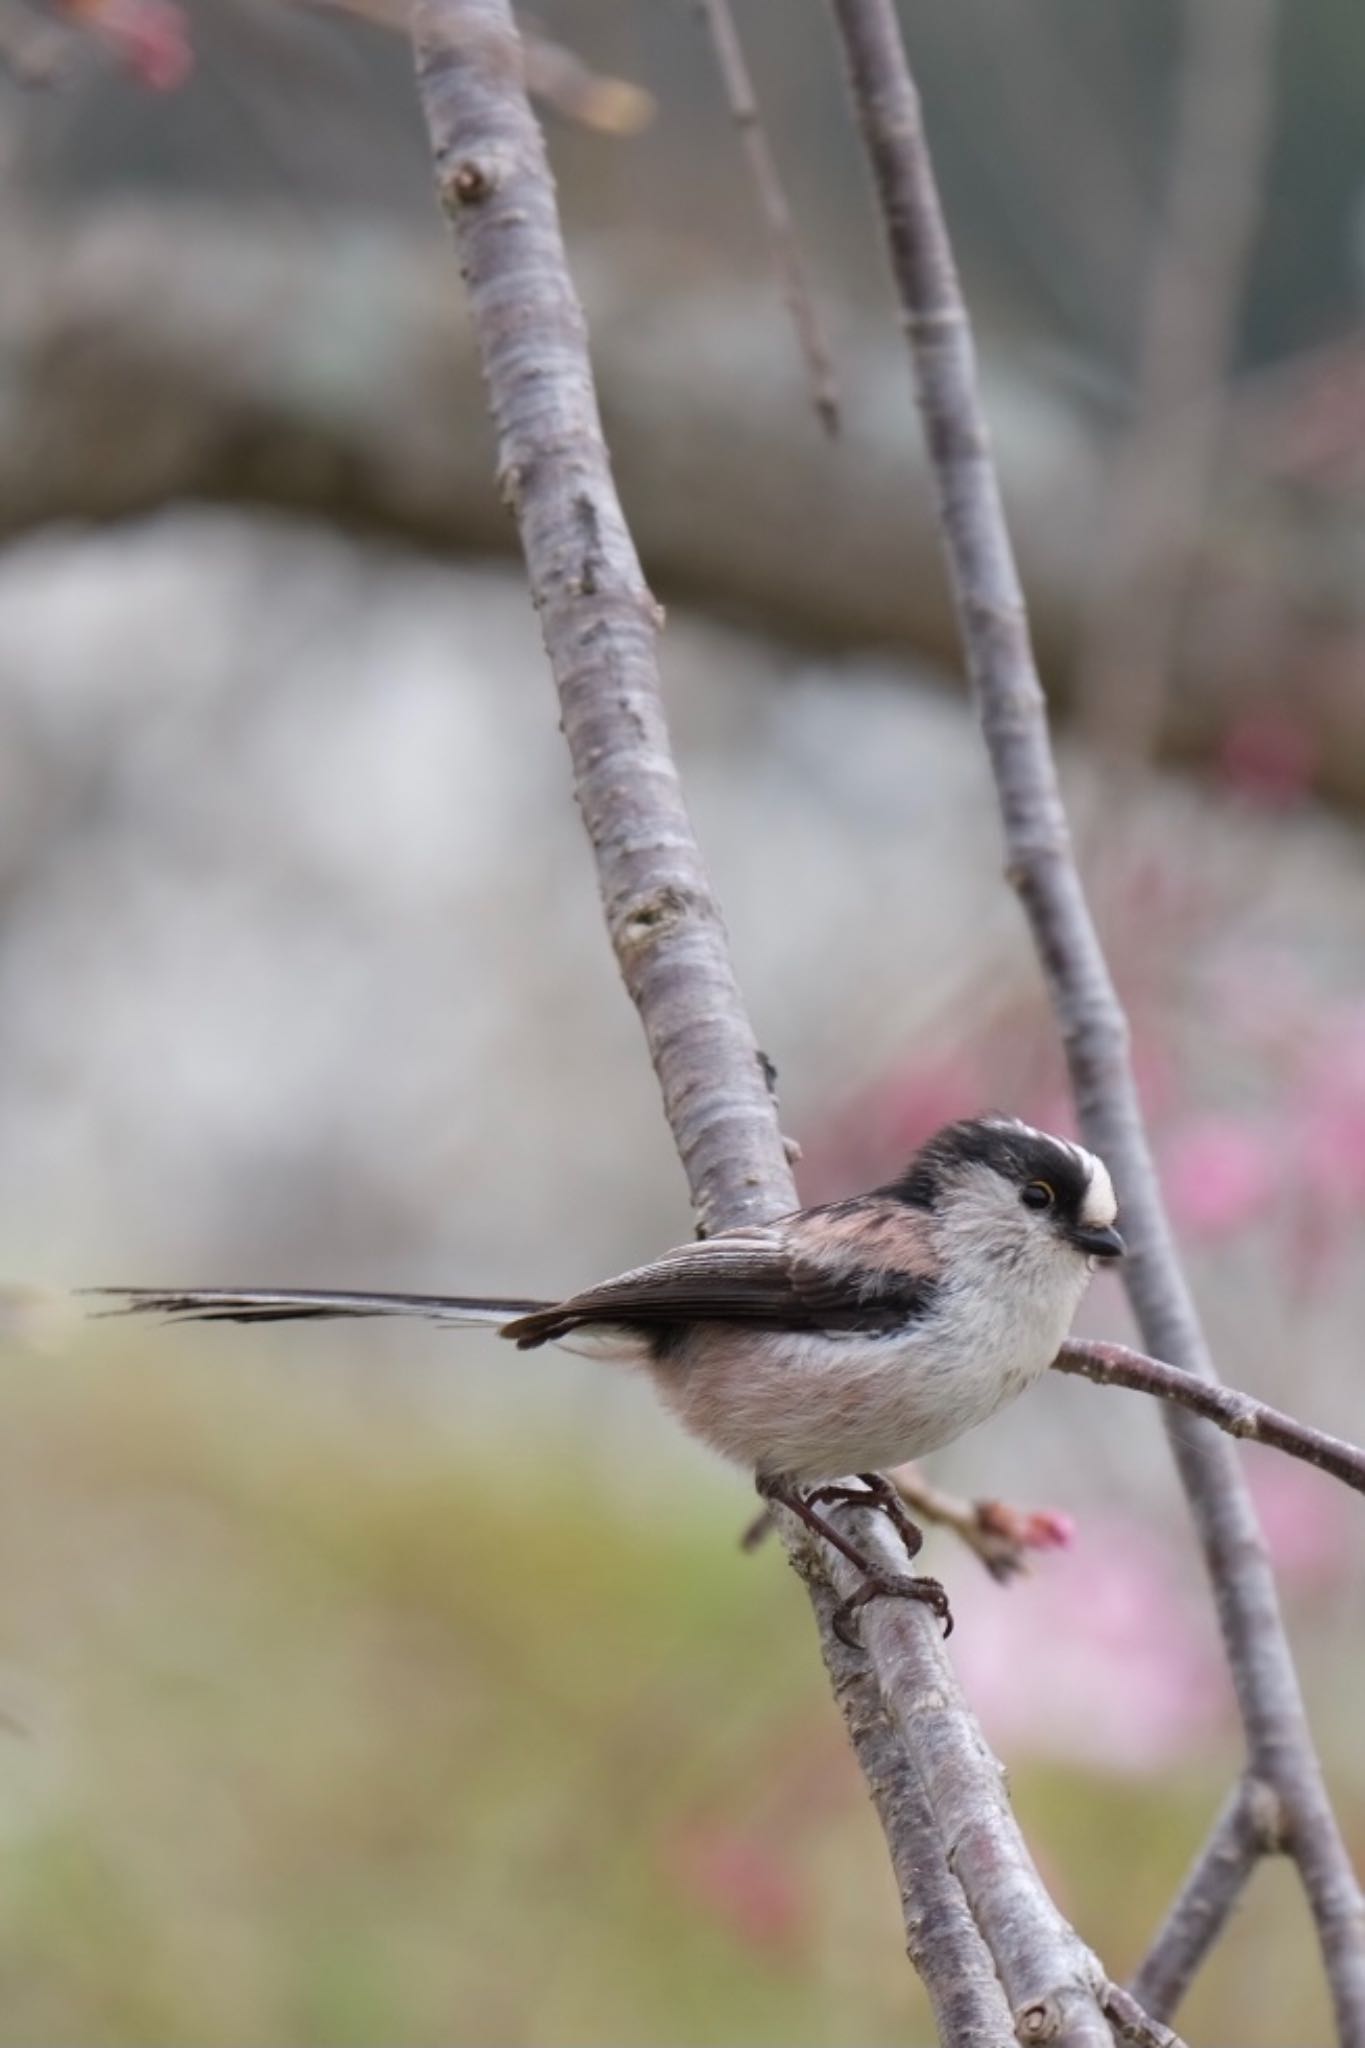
[(872, 1491), (878, 1583)]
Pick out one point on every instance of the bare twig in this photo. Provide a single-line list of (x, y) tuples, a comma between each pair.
[(1159, 489), (1237, 1414), (1250, 1826), (772, 199), (1010, 704), (1131, 2023), (554, 74), (1000, 1535), (599, 625)]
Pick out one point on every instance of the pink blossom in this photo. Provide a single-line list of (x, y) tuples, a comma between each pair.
[(1329, 1114), (1308, 1521), (1220, 1174), (740, 1878), (914, 1101), (874, 1135), (1097, 1660), (1030, 1528), (1267, 757), (149, 38)]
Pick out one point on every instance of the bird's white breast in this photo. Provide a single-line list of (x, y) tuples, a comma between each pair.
[(818, 1407)]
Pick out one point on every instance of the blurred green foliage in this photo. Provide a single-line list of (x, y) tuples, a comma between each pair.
[(318, 1727)]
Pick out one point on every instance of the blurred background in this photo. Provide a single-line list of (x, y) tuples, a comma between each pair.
[(363, 1686)]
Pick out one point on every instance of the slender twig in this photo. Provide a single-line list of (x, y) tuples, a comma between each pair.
[(777, 216), (555, 74), (1000, 1535), (1237, 1414), (1011, 707), (600, 624), (1250, 1826), (1131, 2022), (1162, 471)]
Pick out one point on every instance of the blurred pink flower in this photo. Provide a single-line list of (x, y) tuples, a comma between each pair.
[(1309, 1522), (149, 38), (1097, 1659), (1220, 1174), (917, 1098), (1263, 996), (1030, 1528), (1154, 1067), (740, 1878), (1328, 1113), (1267, 757), (875, 1134)]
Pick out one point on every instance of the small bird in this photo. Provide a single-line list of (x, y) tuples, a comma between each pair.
[(830, 1342)]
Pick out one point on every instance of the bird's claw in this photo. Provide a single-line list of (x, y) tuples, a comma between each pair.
[(879, 1585)]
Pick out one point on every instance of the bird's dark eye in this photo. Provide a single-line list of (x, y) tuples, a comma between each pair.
[(1038, 1195)]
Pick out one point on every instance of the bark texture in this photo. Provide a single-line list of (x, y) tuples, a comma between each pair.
[(1012, 711), (974, 1903)]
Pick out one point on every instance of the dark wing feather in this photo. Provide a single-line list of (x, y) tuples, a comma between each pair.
[(794, 1276)]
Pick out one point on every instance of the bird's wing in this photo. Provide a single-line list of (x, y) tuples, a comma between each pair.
[(800, 1273)]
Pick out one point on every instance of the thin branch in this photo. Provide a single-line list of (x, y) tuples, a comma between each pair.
[(772, 200), (554, 74), (600, 624), (1160, 485), (1131, 2023), (1001, 1536), (1250, 1826), (1237, 1414), (1011, 707)]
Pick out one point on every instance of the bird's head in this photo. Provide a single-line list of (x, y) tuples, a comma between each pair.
[(1028, 1193)]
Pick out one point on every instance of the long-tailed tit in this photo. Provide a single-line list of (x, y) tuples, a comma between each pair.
[(832, 1341)]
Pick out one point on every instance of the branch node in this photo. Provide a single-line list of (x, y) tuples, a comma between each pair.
[(1039, 2021), (469, 184), (1266, 1817)]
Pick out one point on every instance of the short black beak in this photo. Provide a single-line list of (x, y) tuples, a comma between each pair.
[(1099, 1244)]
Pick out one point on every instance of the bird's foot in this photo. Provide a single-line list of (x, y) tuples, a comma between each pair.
[(874, 1491), (880, 1585), (877, 1582)]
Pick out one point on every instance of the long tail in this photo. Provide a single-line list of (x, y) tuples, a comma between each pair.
[(298, 1304)]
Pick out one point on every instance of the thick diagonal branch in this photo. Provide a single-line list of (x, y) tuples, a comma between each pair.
[(600, 625), (1055, 1987), (1011, 707)]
